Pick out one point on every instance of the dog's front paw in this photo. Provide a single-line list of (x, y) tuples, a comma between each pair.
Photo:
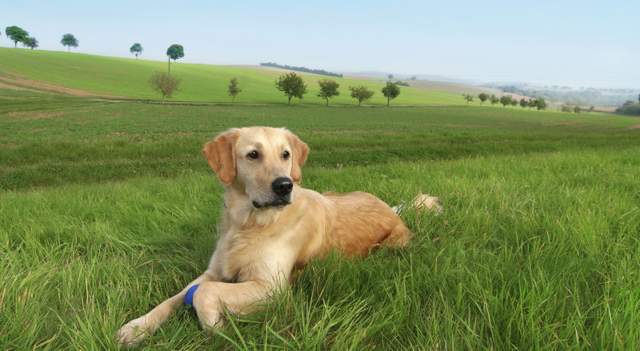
[(132, 333)]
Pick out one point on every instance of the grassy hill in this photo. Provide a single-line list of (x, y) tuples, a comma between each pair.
[(126, 77)]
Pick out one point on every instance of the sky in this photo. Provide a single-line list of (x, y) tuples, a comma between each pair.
[(562, 42)]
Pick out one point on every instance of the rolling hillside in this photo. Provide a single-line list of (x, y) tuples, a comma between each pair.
[(83, 74)]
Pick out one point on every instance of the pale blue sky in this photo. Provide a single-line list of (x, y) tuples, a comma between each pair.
[(590, 43)]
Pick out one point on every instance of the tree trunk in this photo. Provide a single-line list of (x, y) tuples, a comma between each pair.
[(388, 101), (169, 66), (15, 44), (359, 102), (289, 103), (327, 101)]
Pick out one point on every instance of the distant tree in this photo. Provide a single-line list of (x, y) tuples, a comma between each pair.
[(639, 98), (524, 103), (136, 49), (483, 97), (361, 93), (291, 85), (390, 76), (414, 77), (514, 102), (541, 104), (234, 89), (592, 108), (174, 52), (566, 108), (505, 100), (69, 41), (328, 89), (532, 103), (164, 84), (16, 34), (390, 91), (30, 42), (467, 97), (494, 99), (577, 109)]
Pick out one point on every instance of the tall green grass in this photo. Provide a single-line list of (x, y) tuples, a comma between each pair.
[(106, 209)]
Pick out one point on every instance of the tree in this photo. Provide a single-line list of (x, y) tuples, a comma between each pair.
[(16, 34), (390, 91), (164, 84), (234, 89), (174, 52), (541, 104), (390, 76), (577, 109), (30, 42), (361, 93), (514, 102), (532, 103), (524, 103), (69, 41), (494, 99), (328, 89), (467, 97), (291, 85), (136, 49), (483, 97), (505, 100), (639, 98)]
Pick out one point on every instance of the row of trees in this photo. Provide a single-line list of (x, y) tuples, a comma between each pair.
[(19, 35), (292, 85), (508, 100)]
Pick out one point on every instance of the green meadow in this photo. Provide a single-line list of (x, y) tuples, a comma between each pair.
[(128, 78), (107, 208)]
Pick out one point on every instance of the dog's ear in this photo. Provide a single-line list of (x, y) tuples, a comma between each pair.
[(299, 153), (220, 154)]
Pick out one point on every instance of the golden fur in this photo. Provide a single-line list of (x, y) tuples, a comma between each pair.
[(259, 248)]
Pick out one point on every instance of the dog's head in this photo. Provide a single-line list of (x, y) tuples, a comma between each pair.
[(260, 161)]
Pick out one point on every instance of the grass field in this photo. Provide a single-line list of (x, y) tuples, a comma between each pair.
[(125, 77), (107, 208)]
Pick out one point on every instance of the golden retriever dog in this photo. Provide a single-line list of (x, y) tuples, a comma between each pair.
[(271, 226)]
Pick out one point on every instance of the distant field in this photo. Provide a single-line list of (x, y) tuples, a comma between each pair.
[(126, 77), (107, 208)]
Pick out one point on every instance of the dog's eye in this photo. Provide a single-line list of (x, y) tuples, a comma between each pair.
[(286, 155), (253, 155)]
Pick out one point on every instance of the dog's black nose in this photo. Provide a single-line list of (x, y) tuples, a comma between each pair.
[(282, 186)]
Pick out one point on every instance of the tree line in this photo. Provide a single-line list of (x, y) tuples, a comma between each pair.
[(290, 84), (508, 100)]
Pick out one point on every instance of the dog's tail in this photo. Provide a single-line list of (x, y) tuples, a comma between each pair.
[(422, 202)]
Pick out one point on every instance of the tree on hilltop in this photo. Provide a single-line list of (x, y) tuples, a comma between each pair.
[(16, 34), (174, 52), (69, 41), (30, 42), (390, 91), (291, 85), (136, 49), (483, 97), (328, 89)]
